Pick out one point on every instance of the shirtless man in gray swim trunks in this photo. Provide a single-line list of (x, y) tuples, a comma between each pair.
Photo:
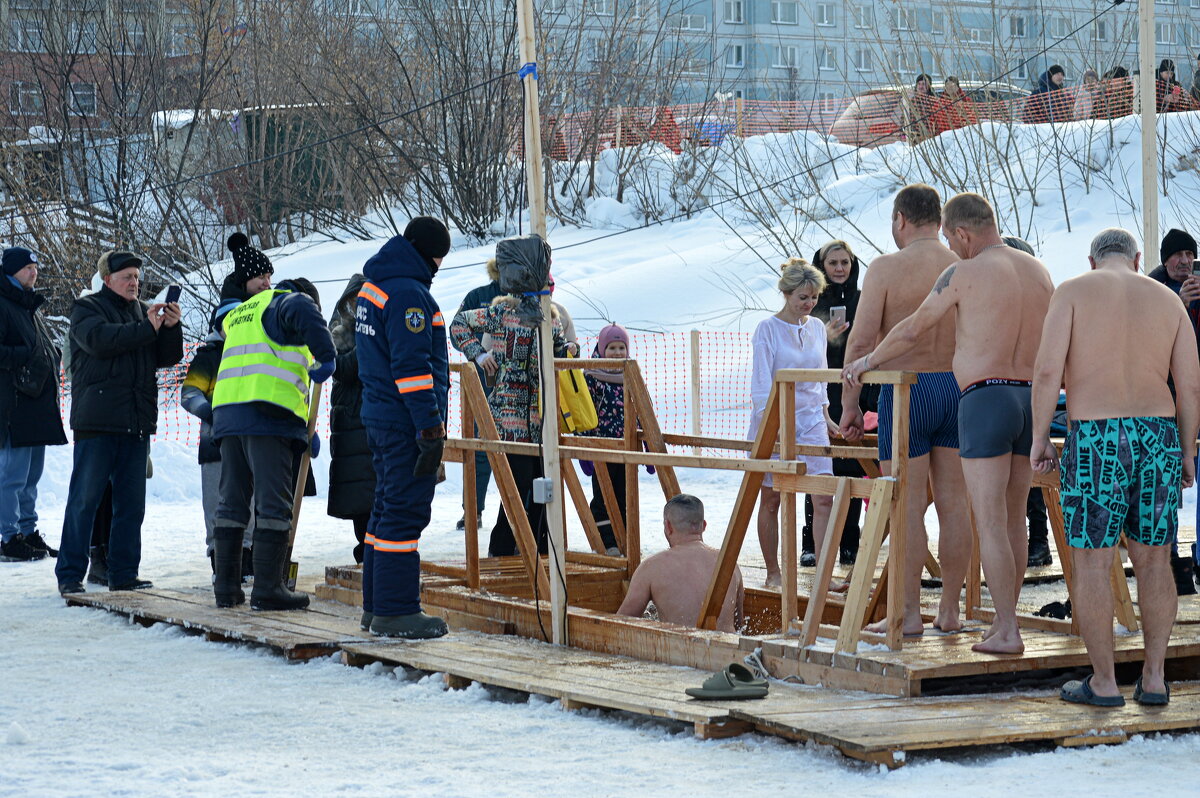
[(999, 296)]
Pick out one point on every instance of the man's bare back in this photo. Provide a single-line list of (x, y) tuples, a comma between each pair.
[(1002, 295), (676, 580), (1133, 381), (894, 287)]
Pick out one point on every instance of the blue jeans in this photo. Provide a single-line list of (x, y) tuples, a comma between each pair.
[(20, 470), (120, 459)]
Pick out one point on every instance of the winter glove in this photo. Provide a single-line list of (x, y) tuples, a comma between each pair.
[(587, 468), (314, 446), (650, 469), (322, 371), (429, 445)]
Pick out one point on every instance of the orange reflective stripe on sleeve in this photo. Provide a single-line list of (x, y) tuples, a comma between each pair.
[(422, 382), (439, 320), (368, 539), (396, 546), (373, 294)]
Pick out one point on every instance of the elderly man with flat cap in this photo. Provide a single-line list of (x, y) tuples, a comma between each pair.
[(117, 344)]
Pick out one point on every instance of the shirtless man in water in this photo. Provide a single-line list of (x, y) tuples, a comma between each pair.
[(892, 290), (1113, 337), (999, 296), (676, 580)]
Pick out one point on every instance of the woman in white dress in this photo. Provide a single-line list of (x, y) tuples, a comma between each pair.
[(793, 339)]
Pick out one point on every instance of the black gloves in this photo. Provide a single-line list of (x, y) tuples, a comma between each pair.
[(430, 444)]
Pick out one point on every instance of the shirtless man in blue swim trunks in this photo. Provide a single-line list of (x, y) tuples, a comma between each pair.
[(1112, 338), (892, 290), (998, 298)]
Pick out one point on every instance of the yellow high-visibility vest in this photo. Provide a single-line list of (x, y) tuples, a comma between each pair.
[(256, 369)]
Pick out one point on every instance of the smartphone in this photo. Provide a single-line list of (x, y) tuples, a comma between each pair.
[(1196, 268), (838, 314), (173, 292)]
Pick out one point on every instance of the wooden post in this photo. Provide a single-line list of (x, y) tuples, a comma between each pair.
[(1122, 601), (855, 610), (470, 510), (1146, 88), (537, 222), (898, 532), (974, 581), (787, 507), (694, 353), (743, 508)]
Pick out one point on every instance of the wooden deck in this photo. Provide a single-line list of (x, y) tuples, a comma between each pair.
[(873, 728)]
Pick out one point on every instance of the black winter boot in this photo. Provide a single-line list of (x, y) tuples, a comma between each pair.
[(417, 626), (247, 564), (98, 566), (270, 554), (1183, 569), (227, 566)]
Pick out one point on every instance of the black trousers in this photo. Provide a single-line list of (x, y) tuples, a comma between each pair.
[(851, 531), (525, 470)]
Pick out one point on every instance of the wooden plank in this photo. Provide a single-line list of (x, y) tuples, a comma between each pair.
[(735, 534), (1122, 601), (825, 559), (872, 377), (897, 549), (470, 504), (787, 509), (868, 555), (819, 484), (633, 529), (974, 571), (607, 454), (582, 507), (509, 497)]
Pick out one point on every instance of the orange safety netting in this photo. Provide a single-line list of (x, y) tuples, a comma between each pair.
[(665, 362), (876, 117)]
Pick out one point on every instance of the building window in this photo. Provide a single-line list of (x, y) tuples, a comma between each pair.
[(1016, 27), (825, 14), (180, 39), (828, 101), (83, 99), (1023, 70), (906, 19), (864, 16), (693, 22), (785, 13), (602, 7), (904, 65), (826, 59), (26, 35), (1100, 30), (1164, 33), (937, 23), (132, 39), (979, 35), (81, 37), (735, 56), (862, 59), (553, 6), (735, 11), (1059, 27), (24, 98), (784, 56)]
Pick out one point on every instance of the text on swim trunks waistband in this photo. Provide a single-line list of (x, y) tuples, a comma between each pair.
[(990, 381)]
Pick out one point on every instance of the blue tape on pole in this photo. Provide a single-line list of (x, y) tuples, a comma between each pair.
[(528, 69), (534, 293)]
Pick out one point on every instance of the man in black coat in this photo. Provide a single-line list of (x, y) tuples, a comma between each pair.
[(117, 344), (29, 417)]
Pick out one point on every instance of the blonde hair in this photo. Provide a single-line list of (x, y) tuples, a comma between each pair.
[(833, 246), (797, 273)]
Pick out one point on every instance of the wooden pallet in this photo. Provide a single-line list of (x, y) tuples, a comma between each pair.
[(319, 632), (874, 729)]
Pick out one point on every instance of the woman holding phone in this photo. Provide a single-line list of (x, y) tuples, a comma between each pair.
[(793, 339), (838, 303)]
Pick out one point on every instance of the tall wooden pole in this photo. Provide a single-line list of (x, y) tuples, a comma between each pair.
[(537, 223), (1146, 89)]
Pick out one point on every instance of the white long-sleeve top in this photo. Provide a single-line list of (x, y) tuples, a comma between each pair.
[(780, 345)]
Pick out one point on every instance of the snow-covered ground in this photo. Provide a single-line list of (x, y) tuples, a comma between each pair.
[(92, 705)]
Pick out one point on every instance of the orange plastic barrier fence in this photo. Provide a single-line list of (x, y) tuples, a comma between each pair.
[(877, 117), (665, 362)]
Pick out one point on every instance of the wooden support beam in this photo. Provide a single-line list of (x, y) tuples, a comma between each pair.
[(855, 611), (899, 531), (787, 509), (835, 375), (607, 455), (825, 560), (633, 534), (1058, 528), (821, 485), (582, 508), (510, 499), (974, 570), (1122, 601), (743, 509), (470, 506)]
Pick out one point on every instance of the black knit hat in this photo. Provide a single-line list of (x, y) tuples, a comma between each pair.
[(429, 237), (1176, 241), (17, 258), (248, 262)]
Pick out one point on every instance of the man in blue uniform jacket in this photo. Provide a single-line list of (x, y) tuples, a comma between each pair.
[(405, 372)]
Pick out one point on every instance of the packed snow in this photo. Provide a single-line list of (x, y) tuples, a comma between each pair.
[(94, 705)]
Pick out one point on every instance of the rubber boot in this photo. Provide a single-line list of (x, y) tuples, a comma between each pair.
[(98, 565), (227, 566), (270, 556), (417, 626)]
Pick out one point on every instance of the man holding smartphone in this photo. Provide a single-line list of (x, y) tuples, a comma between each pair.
[(1179, 273)]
